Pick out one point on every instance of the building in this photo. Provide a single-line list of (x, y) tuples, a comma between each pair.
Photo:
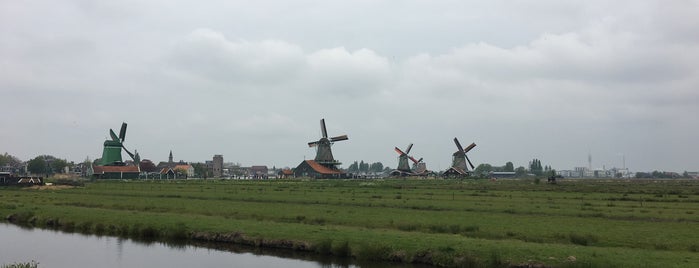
[(185, 169), (258, 172), (285, 174), (115, 172), (311, 168), (217, 166)]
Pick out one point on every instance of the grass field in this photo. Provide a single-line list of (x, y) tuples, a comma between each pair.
[(472, 223)]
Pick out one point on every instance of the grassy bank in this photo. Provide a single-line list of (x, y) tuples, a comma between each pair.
[(442, 222)]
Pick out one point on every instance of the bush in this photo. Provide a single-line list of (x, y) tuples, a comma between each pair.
[(342, 249), (373, 253), (323, 247), (583, 240)]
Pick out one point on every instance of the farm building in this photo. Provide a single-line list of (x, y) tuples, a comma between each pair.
[(311, 168), (115, 172)]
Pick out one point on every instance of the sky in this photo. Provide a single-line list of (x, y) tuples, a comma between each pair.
[(250, 80)]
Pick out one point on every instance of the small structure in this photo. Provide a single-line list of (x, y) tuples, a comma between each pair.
[(285, 173), (167, 174), (258, 172), (186, 170)]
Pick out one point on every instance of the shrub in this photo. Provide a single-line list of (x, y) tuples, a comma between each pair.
[(342, 249), (583, 240), (373, 253), (323, 247)]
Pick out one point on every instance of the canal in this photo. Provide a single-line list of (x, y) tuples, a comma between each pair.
[(59, 249)]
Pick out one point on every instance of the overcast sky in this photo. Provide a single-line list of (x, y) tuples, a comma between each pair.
[(553, 80)]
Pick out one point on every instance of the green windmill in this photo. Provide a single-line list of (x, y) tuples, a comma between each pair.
[(111, 155), (324, 155)]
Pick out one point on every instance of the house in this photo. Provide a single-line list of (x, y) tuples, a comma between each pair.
[(115, 172), (167, 174), (311, 168), (285, 173), (455, 172), (186, 169), (258, 172)]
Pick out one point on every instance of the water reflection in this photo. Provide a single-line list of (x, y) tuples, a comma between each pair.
[(58, 249)]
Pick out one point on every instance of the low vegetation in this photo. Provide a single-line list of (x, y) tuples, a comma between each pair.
[(472, 223)]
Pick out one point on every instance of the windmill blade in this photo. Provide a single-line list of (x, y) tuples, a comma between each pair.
[(323, 129), (398, 151), (407, 151), (122, 132), (129, 153), (413, 159), (458, 145), (469, 162), (114, 136), (313, 144), (469, 147), (339, 138)]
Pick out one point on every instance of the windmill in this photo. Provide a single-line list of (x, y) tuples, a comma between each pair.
[(403, 165), (459, 160), (419, 167), (324, 155), (111, 155)]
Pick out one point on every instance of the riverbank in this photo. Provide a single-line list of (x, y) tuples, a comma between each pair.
[(437, 222)]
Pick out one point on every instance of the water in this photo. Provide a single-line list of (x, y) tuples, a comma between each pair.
[(58, 249)]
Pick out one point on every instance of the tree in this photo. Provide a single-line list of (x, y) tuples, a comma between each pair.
[(147, 166), (509, 167), (9, 160), (353, 168), (376, 167), (200, 170), (363, 167), (520, 171), (483, 169), (58, 165), (37, 165), (535, 167)]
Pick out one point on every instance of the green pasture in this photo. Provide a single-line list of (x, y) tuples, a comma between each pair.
[(589, 223)]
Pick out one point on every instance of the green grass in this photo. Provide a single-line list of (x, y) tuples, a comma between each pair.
[(444, 222)]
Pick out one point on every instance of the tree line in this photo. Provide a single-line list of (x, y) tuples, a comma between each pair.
[(362, 167)]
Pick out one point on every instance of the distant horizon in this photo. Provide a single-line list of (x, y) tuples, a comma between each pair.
[(345, 164)]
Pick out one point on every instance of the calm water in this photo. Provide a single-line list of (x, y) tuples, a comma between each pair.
[(57, 249)]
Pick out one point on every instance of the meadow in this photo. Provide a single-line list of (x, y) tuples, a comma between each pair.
[(467, 223)]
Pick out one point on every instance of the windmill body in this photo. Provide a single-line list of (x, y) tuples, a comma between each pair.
[(403, 165), (460, 161), (403, 169), (111, 154)]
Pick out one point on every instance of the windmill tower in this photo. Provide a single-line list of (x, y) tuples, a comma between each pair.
[(111, 154), (403, 165), (419, 167), (324, 155), (459, 160)]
